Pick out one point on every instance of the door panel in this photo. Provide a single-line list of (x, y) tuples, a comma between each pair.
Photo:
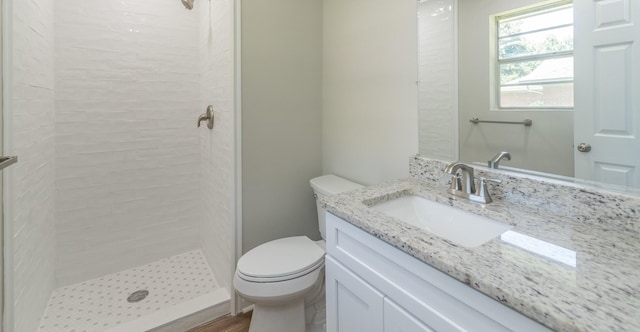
[(397, 319), (607, 72), (352, 304)]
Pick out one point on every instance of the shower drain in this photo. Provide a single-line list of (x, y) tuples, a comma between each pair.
[(137, 296)]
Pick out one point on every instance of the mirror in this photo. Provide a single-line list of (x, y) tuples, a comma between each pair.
[(455, 86)]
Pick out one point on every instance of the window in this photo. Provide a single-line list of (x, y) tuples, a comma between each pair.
[(535, 57)]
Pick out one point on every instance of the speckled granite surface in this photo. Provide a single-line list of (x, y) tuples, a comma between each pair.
[(600, 293)]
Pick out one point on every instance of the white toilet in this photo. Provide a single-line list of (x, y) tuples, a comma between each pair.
[(284, 278)]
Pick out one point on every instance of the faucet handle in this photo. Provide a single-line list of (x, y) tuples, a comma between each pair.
[(482, 191), (494, 181), (207, 116), (456, 181)]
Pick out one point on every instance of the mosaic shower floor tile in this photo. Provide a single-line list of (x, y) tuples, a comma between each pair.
[(102, 303)]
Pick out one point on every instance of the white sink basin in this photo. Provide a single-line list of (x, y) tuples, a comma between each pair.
[(461, 227)]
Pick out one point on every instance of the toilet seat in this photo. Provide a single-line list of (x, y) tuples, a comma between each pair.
[(281, 260)]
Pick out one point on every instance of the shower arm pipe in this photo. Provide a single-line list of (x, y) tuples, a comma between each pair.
[(188, 4)]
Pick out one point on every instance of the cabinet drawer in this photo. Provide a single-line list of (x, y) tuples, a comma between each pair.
[(444, 303)]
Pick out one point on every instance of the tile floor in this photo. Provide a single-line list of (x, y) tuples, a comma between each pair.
[(101, 303)]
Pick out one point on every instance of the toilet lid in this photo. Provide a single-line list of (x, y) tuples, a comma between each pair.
[(281, 259)]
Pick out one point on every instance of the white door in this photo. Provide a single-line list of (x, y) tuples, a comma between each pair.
[(607, 81), (352, 304)]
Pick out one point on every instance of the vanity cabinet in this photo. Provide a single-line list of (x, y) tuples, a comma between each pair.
[(372, 286)]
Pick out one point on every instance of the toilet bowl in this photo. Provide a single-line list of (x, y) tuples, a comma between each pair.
[(284, 278)]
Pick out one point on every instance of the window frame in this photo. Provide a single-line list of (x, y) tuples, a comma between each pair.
[(496, 85)]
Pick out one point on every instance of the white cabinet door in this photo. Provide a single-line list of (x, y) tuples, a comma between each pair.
[(396, 319), (352, 304)]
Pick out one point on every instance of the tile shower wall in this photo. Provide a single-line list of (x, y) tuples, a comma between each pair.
[(127, 146), (33, 177), (437, 125), (217, 145)]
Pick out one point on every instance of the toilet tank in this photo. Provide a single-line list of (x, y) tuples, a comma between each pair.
[(327, 185)]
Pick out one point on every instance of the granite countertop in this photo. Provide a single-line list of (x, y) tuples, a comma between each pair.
[(600, 291)]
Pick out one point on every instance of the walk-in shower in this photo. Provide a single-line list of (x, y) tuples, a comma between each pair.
[(122, 213)]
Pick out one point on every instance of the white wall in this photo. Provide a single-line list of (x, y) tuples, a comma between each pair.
[(547, 146), (216, 19), (281, 118), (369, 122), (33, 196), (127, 146), (437, 91)]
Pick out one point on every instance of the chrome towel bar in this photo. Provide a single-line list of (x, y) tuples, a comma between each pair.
[(525, 122)]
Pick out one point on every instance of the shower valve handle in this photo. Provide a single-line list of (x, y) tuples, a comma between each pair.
[(207, 116)]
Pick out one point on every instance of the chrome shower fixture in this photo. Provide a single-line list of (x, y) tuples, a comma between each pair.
[(188, 4)]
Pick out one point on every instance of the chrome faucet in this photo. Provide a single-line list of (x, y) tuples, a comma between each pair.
[(463, 183), (493, 163)]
